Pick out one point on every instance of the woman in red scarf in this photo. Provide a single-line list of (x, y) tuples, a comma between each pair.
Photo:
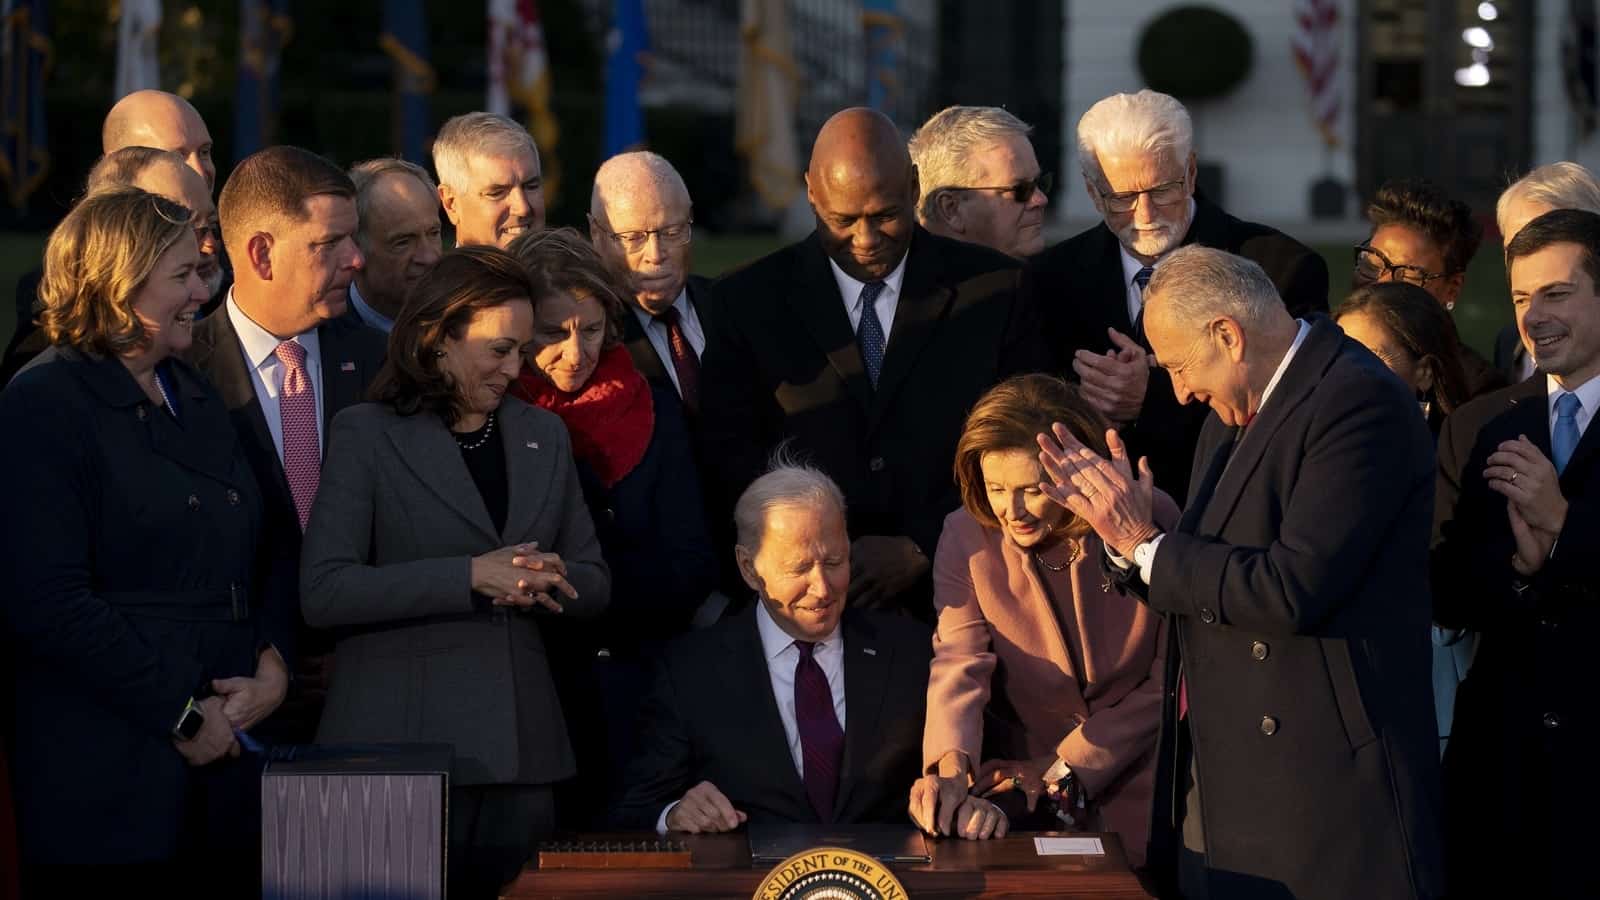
[(638, 474)]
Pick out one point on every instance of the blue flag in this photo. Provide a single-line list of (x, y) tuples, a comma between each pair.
[(264, 27), (405, 39), (882, 26), (626, 44), (24, 151)]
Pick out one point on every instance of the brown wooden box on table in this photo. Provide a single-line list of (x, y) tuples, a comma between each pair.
[(720, 866)]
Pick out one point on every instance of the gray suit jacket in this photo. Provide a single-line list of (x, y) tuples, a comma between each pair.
[(388, 559)]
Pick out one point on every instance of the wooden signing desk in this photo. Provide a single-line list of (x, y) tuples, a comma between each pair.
[(721, 867)]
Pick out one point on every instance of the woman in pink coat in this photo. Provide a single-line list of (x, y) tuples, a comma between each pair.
[(1045, 694)]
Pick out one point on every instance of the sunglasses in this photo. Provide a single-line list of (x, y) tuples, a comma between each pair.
[(1022, 191)]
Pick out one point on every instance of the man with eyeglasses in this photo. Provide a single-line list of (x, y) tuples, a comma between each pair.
[(642, 223), (862, 347), (1424, 237), (980, 179), (1137, 156)]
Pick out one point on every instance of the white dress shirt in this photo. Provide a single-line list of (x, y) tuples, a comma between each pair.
[(888, 301), (655, 331), (266, 373), (1144, 556), (781, 654), (1131, 267), (367, 314), (1588, 397)]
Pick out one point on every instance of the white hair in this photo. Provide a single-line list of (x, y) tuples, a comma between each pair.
[(367, 173), (1559, 185), (476, 134), (941, 148), (1146, 123), (786, 483), (1198, 283), (629, 173)]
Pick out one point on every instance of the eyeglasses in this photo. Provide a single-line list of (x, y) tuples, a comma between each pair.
[(1372, 265), (669, 235), (1161, 195), (1022, 191), (206, 231)]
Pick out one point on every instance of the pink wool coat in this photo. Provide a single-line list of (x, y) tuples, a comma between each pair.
[(1082, 679)]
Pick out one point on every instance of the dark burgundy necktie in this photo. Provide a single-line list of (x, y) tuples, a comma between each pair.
[(684, 362), (821, 738)]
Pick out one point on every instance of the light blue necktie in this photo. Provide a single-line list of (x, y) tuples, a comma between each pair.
[(1564, 436), (869, 334)]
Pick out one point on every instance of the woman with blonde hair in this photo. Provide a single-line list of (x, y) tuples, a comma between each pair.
[(1044, 697), (127, 590)]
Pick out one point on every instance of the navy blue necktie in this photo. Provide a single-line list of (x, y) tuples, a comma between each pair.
[(869, 333), (1142, 279), (1564, 436)]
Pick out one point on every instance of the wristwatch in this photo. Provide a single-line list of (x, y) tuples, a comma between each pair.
[(1143, 553), (189, 722)]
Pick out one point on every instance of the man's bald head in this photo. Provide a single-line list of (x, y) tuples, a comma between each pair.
[(639, 220), (627, 175), (863, 189), (163, 121), (165, 174)]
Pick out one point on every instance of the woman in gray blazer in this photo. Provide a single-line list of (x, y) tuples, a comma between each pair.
[(448, 522)]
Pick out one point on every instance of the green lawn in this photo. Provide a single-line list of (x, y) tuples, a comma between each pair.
[(1484, 307)]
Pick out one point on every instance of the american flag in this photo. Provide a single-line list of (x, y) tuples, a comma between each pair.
[(1316, 44)]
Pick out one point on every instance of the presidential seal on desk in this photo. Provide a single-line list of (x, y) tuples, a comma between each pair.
[(830, 873)]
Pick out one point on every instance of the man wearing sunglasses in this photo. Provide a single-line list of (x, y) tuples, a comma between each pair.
[(980, 180), (1137, 156)]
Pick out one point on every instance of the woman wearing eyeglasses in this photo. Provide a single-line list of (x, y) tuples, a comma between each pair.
[(1422, 237), (1405, 326), (636, 467)]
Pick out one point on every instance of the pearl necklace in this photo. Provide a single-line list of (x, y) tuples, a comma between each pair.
[(488, 431), (1071, 558)]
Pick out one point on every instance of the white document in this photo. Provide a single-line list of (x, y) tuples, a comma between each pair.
[(1069, 846)]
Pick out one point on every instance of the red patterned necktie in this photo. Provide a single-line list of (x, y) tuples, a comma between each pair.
[(821, 738), (297, 411), (684, 362)]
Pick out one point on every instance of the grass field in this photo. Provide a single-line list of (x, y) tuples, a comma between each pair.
[(1484, 307)]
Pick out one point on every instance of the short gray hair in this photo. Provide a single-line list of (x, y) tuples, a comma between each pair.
[(1559, 185), (476, 134), (627, 169), (1146, 123), (787, 482), (367, 173), (1198, 283), (940, 149), (121, 168)]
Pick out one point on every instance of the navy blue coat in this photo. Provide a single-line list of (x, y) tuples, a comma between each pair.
[(124, 589), (652, 531)]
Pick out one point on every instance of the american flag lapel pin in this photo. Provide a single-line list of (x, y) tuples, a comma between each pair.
[(533, 445), (347, 366), (869, 651)]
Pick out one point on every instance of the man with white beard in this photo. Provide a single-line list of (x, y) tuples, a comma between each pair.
[(1137, 155)]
